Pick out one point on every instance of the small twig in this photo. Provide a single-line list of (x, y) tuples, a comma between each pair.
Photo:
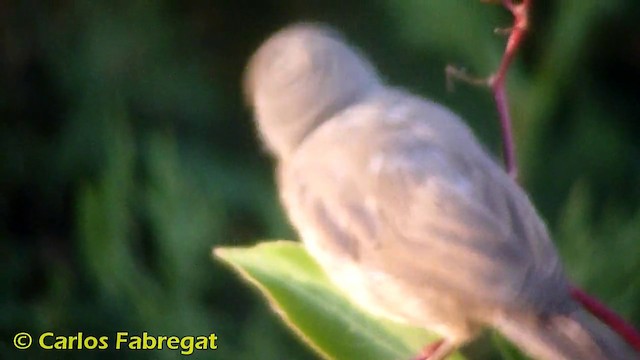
[(520, 12), (613, 320), (454, 73), (497, 82)]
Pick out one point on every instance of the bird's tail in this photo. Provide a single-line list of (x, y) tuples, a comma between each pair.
[(576, 336)]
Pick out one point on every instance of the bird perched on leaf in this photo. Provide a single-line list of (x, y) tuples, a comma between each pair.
[(403, 208)]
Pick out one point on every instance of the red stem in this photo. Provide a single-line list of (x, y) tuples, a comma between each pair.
[(615, 322), (520, 13), (508, 146)]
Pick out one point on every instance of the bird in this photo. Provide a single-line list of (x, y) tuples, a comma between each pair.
[(404, 209)]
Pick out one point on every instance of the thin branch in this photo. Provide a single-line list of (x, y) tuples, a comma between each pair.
[(613, 320), (517, 34), (520, 12), (496, 82)]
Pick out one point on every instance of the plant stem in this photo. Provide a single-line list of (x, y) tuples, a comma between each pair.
[(517, 33), (615, 322), (497, 82)]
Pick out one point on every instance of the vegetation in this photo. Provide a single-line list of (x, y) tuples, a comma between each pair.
[(127, 153)]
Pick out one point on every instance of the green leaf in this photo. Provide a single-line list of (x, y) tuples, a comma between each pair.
[(316, 310)]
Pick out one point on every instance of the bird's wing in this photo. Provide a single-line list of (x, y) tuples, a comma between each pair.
[(398, 201), (460, 226)]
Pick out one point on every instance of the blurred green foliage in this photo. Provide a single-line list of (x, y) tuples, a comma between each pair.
[(126, 152)]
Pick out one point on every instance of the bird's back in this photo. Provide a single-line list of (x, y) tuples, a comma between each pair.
[(417, 200)]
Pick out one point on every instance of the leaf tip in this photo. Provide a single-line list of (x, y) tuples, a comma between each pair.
[(220, 253)]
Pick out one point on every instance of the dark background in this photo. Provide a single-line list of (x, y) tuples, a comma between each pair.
[(126, 152)]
